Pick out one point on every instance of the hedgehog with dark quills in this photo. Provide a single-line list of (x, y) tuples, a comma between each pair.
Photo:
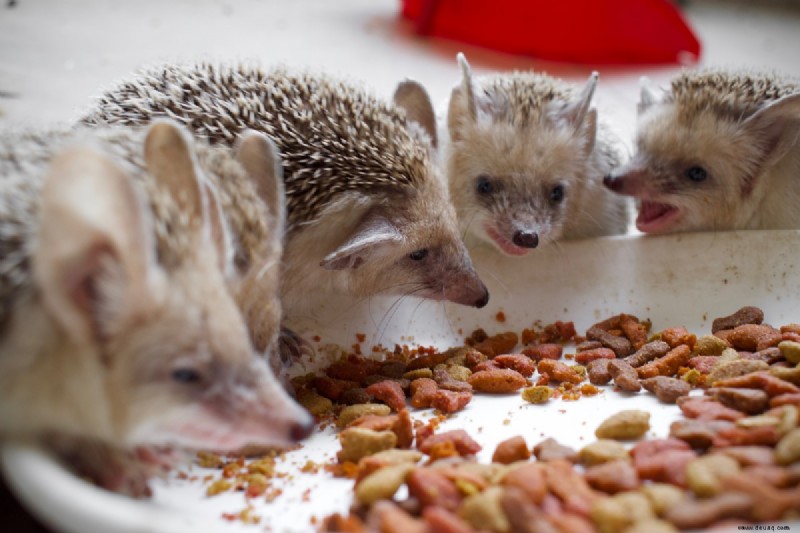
[(718, 150), (526, 160), (119, 325), (368, 212)]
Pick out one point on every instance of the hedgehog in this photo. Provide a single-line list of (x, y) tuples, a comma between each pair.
[(718, 150), (367, 209), (525, 162), (119, 322)]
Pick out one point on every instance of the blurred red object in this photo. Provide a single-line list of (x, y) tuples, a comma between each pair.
[(578, 31)]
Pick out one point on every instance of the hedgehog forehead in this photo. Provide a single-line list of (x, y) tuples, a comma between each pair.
[(525, 96), (736, 94)]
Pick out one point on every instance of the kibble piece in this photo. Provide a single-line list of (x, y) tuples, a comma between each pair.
[(463, 443), (558, 371), (587, 356), (352, 412), (745, 315), (763, 380), (615, 514), (790, 350), (704, 473), (445, 380), (663, 496), (749, 401), (511, 450), (522, 515), (360, 442), (613, 476), (704, 363), (652, 525), (483, 511), (443, 521), (389, 392), (423, 390), (788, 449), (792, 375), (710, 345), (677, 336), (528, 478), (648, 352), (707, 409), (625, 425), (624, 375), (314, 403), (699, 434), (432, 488), (667, 365), (429, 360), (543, 351), (332, 388), (498, 381), (448, 401), (518, 362), (382, 484), (634, 330), (751, 337), (730, 369), (498, 344), (598, 372), (602, 451), (666, 389), (620, 345), (699, 514), (570, 486), (419, 373), (550, 449), (387, 517), (537, 394)]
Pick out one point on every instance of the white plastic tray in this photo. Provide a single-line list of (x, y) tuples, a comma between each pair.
[(673, 280)]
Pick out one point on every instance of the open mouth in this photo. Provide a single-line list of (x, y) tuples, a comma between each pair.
[(506, 245), (655, 217)]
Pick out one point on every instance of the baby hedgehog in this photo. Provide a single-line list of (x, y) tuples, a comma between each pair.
[(117, 324), (525, 161), (367, 211), (717, 151)]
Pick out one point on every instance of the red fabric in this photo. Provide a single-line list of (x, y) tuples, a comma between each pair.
[(580, 31)]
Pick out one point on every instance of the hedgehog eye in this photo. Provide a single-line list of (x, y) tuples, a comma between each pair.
[(186, 376), (696, 174), (418, 255), (484, 185), (557, 194)]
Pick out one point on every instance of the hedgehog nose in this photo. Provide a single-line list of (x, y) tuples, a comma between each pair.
[(526, 239), (612, 183), (483, 299), (300, 430)]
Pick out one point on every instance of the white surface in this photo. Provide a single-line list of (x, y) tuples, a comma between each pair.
[(674, 280)]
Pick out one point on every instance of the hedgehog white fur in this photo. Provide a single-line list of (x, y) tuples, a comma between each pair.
[(117, 319), (718, 150), (367, 211), (526, 159)]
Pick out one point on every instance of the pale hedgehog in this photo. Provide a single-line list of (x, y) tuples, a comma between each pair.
[(719, 150), (118, 323), (368, 212), (525, 161)]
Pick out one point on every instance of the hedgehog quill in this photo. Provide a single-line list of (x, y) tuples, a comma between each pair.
[(719, 150), (368, 212)]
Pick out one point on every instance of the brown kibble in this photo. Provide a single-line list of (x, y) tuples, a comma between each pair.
[(751, 337), (314, 403), (620, 345), (668, 466), (587, 356), (498, 344), (635, 331), (624, 375), (751, 455), (707, 409), (445, 380), (354, 368), (769, 503), (699, 434), (387, 517), (787, 450), (332, 388), (619, 512), (463, 443), (441, 520), (745, 315), (522, 514), (677, 336), (763, 380), (432, 488), (558, 371), (570, 486), (511, 450), (667, 365), (352, 412), (625, 425), (428, 360), (648, 352), (613, 476), (750, 401), (550, 450), (498, 381), (666, 389), (598, 372), (735, 368), (543, 351)]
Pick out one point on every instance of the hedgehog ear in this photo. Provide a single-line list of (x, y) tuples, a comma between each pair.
[(374, 236), (169, 159), (414, 99), (579, 115), (261, 159), (94, 255), (219, 233), (776, 127), (648, 95), (462, 110)]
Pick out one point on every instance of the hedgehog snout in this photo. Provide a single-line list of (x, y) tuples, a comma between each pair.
[(526, 239)]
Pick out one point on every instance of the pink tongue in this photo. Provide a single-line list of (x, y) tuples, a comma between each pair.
[(649, 211)]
